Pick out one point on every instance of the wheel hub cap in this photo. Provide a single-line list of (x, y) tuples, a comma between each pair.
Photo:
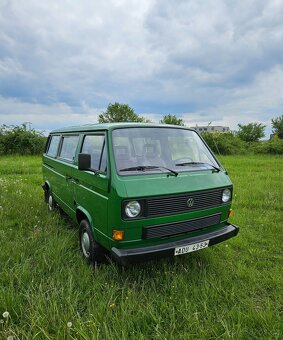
[(85, 244), (50, 203)]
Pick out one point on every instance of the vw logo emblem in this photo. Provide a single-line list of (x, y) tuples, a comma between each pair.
[(190, 202)]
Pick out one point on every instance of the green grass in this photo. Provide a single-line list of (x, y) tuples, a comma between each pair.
[(231, 290)]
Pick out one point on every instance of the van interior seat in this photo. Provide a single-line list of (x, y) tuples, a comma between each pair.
[(151, 156), (123, 157)]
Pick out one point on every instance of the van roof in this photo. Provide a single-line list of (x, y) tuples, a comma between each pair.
[(111, 126)]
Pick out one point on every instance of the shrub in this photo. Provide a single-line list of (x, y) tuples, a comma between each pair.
[(273, 147), (20, 140), (224, 143)]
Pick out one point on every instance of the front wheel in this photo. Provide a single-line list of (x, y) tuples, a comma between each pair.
[(91, 251)]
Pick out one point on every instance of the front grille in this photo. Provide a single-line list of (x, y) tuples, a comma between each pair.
[(176, 204), (180, 227)]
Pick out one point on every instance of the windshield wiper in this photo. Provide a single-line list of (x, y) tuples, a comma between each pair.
[(200, 163), (148, 167)]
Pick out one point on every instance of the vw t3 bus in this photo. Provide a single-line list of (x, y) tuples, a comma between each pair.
[(138, 191)]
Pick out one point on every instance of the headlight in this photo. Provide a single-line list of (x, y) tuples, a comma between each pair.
[(132, 209), (226, 195)]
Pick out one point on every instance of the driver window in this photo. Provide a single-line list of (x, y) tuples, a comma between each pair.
[(95, 146)]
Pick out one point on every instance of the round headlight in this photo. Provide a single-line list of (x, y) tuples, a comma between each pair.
[(226, 195), (132, 209)]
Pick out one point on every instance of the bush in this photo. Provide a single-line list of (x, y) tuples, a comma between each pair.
[(224, 143), (20, 140), (274, 147)]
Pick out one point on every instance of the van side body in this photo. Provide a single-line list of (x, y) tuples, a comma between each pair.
[(179, 210)]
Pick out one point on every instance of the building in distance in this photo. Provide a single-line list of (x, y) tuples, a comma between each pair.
[(211, 128)]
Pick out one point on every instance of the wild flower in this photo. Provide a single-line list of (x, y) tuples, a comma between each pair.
[(69, 324), (112, 305), (5, 315), (10, 337)]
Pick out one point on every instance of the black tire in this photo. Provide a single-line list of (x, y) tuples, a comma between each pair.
[(51, 202), (91, 251)]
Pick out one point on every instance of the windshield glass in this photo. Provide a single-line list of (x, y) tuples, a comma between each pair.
[(153, 149)]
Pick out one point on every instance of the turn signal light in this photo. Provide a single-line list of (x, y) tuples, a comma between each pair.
[(118, 235), (230, 213)]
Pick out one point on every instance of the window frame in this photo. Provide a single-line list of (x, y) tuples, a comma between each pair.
[(61, 144), (104, 147), (158, 127), (49, 142)]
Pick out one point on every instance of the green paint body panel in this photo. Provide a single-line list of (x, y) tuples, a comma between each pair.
[(100, 195)]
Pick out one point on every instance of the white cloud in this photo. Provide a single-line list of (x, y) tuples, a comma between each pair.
[(45, 117), (219, 60)]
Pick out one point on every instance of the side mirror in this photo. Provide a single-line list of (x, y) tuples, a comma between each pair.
[(84, 161)]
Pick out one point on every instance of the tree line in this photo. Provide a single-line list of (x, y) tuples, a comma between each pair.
[(24, 140), (245, 140), (251, 132)]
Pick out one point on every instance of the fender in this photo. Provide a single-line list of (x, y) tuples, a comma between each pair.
[(48, 184), (85, 212)]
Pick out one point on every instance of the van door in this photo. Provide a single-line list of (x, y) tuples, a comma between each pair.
[(65, 167), (91, 189)]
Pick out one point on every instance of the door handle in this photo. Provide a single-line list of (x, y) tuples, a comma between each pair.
[(70, 178)]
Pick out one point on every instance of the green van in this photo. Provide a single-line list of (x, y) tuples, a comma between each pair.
[(138, 191)]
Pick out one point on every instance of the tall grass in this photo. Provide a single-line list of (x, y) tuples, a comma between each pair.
[(229, 290)]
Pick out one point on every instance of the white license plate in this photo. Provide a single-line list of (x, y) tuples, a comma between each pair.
[(191, 247)]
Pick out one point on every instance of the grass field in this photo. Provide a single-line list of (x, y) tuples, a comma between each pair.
[(232, 290)]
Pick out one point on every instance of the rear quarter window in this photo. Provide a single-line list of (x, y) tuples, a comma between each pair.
[(53, 146)]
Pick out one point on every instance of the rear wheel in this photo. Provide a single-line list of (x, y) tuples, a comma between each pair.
[(91, 251)]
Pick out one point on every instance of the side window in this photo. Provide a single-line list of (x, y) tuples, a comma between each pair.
[(94, 145), (69, 146), (53, 146)]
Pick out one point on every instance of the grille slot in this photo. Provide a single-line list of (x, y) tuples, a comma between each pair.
[(180, 227), (159, 206)]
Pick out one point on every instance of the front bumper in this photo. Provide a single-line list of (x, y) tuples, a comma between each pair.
[(127, 256)]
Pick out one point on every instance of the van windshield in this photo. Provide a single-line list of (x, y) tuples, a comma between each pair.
[(139, 150)]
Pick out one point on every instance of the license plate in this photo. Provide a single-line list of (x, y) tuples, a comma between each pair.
[(191, 247)]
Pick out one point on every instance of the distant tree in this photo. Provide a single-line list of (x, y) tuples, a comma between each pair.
[(172, 119), (120, 113), (251, 132), (277, 126)]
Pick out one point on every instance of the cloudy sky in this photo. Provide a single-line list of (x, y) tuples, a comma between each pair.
[(62, 62)]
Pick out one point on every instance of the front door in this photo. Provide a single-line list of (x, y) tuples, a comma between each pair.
[(91, 189)]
